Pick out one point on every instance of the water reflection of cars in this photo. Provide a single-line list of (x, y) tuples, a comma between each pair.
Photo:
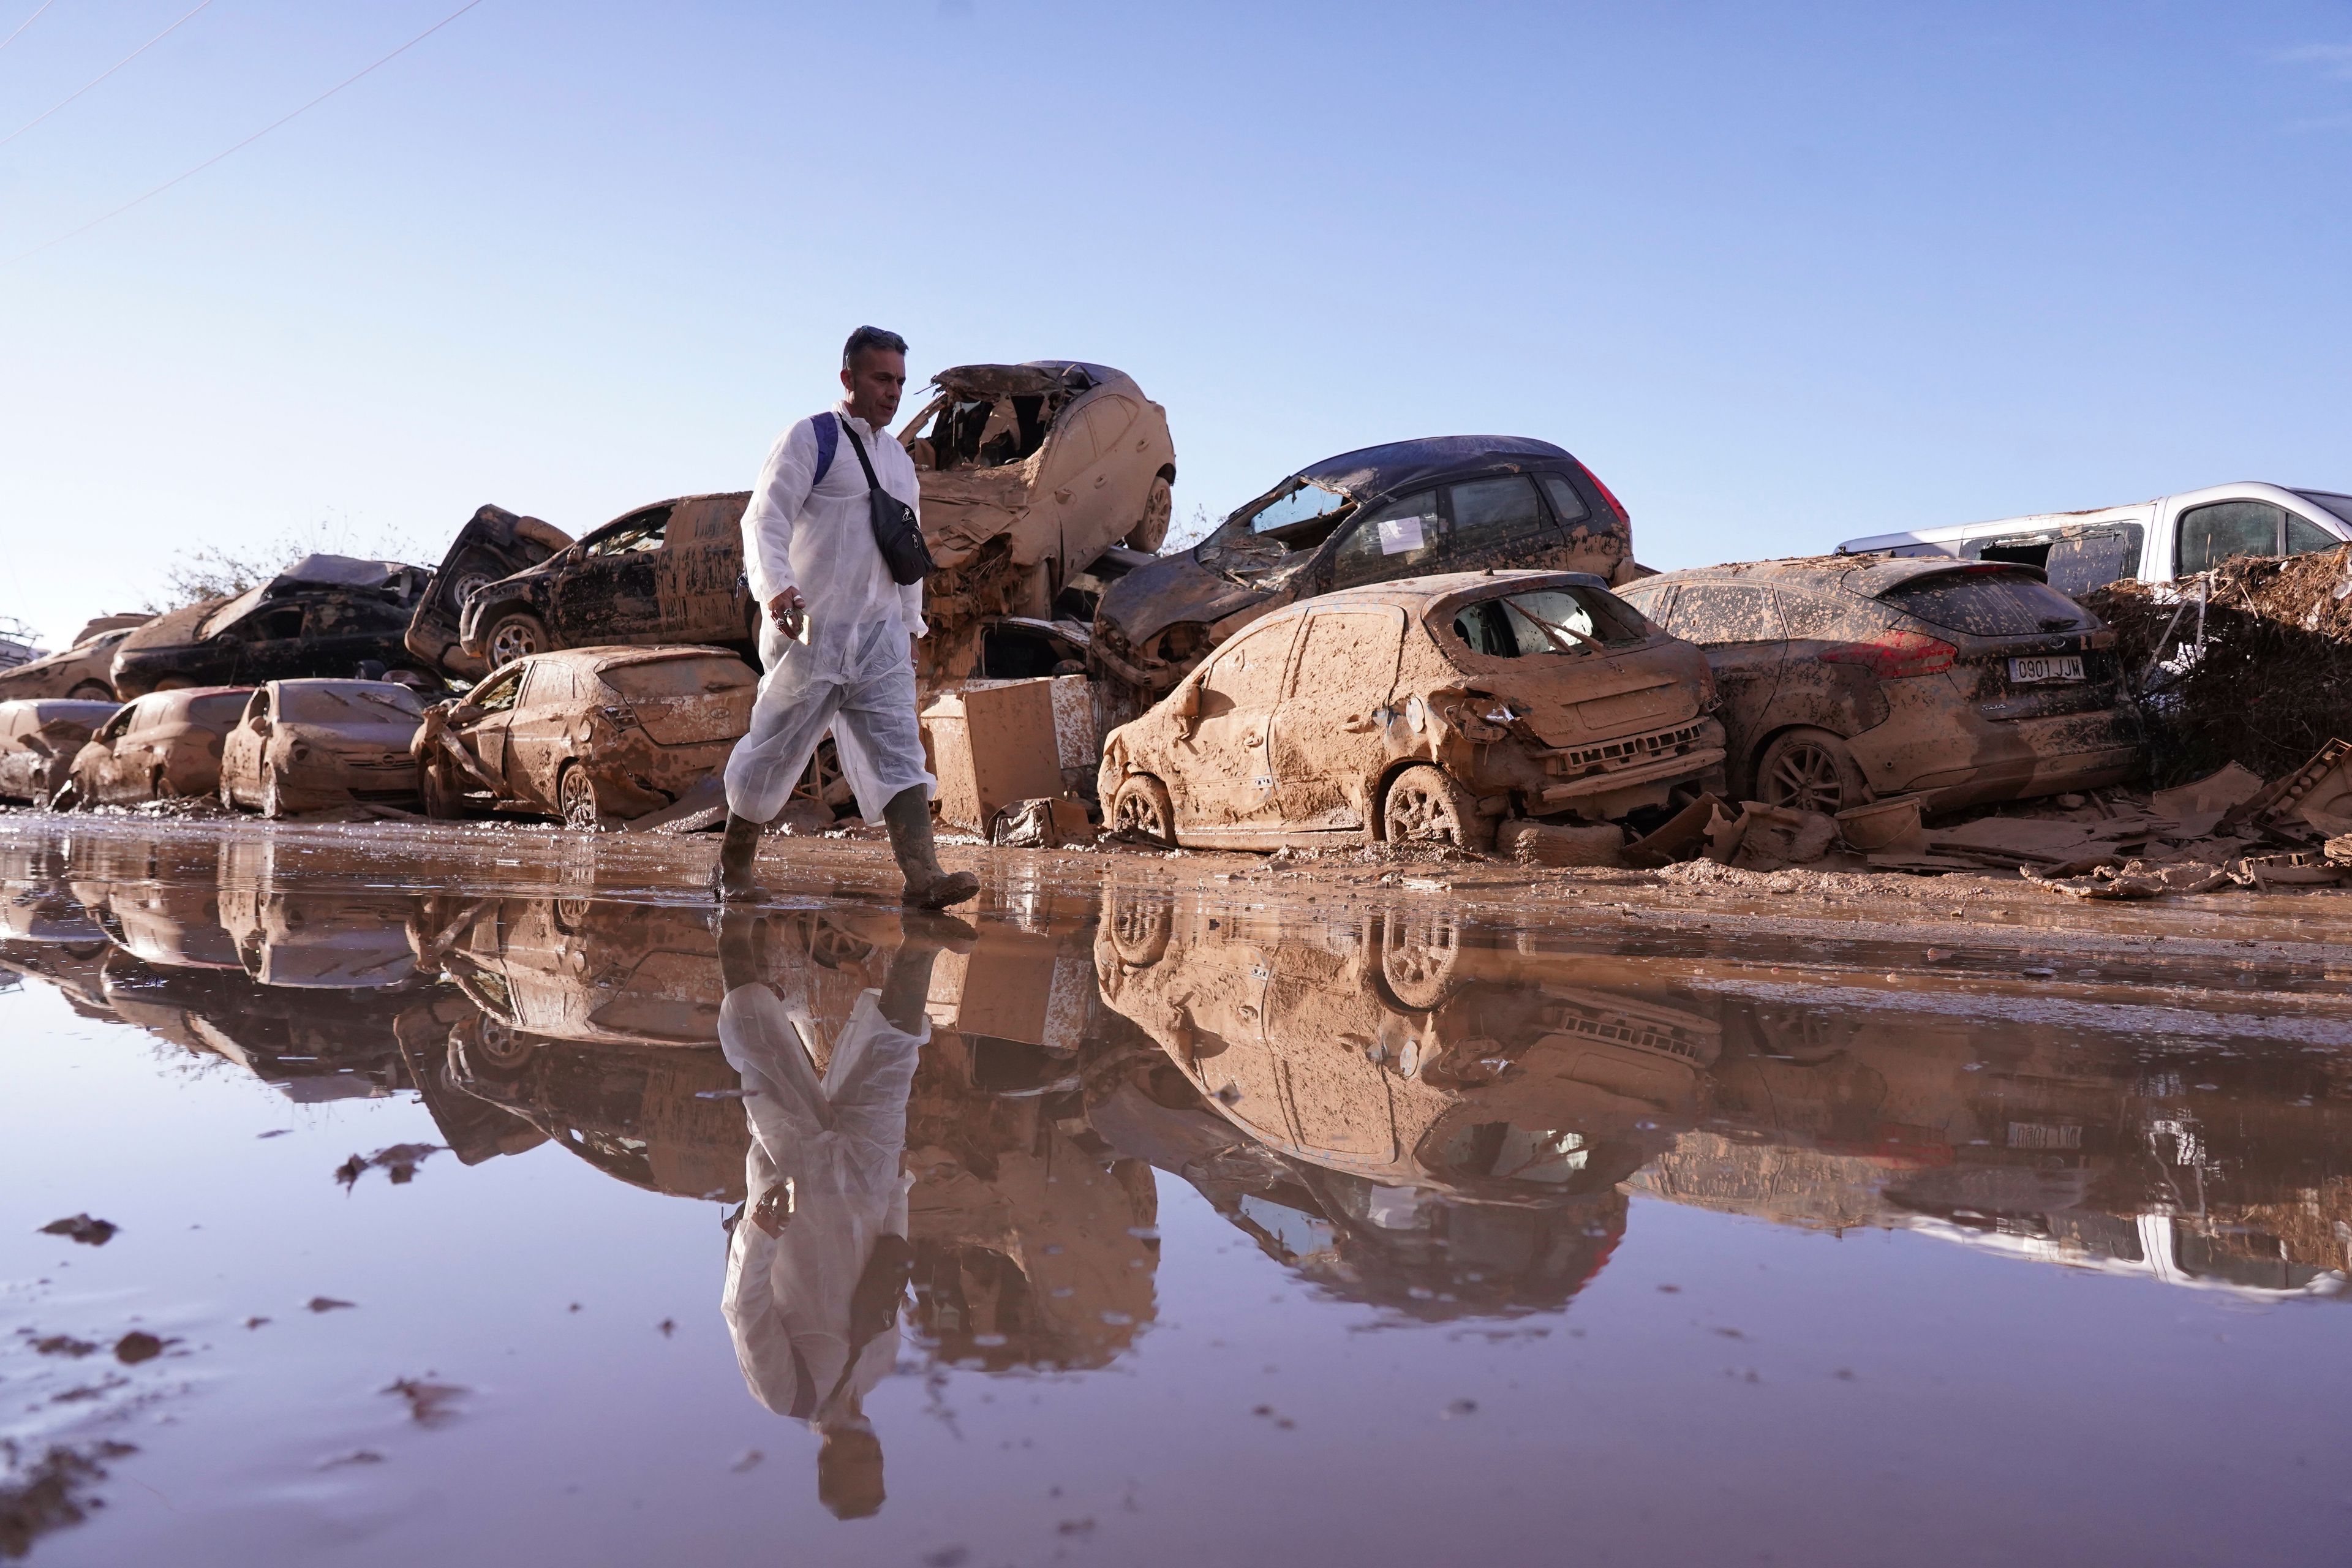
[(597, 971), (1451, 503), (1427, 709), (310, 745), (38, 742), (163, 745)]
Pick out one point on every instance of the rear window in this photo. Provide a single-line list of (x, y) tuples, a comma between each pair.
[(1547, 620), (1988, 604), (337, 704), (677, 678)]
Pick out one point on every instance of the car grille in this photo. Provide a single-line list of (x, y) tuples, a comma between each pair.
[(1575, 761)]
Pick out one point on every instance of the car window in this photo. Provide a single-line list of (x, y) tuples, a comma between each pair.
[(219, 711), (2302, 537), (1713, 613), (1304, 504), (1546, 621), (498, 695), (1362, 642), (1399, 540), (2329, 501), (2212, 534), (1987, 602), (548, 683), (1487, 512), (1247, 674), (2094, 558), (633, 535), (284, 622), (116, 726), (1567, 506), (1110, 417), (1651, 598), (1826, 617)]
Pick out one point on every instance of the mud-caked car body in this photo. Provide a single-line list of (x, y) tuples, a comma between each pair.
[(84, 671), (1847, 679), (325, 615), (312, 745), (599, 971), (38, 742), (1424, 710), (164, 744), (592, 735), (1448, 503), (494, 543)]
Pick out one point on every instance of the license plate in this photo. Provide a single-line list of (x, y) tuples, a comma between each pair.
[(2034, 671)]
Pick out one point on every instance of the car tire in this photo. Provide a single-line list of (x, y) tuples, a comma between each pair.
[(1425, 805), (1140, 806), (273, 795), (575, 799), (174, 683), (92, 692), (1158, 506), (1810, 770), (516, 635), (1140, 926)]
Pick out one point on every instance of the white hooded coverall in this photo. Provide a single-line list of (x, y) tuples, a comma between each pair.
[(850, 671)]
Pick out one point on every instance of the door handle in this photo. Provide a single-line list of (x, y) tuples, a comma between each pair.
[(1063, 493)]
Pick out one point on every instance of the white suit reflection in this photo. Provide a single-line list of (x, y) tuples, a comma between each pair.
[(818, 1262)]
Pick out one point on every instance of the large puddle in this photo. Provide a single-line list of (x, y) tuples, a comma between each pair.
[(491, 1205)]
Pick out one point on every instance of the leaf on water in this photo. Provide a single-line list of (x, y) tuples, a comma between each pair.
[(139, 1345), (83, 1228), (327, 1303), (429, 1403)]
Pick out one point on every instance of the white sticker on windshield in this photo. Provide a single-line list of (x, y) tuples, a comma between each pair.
[(1400, 536)]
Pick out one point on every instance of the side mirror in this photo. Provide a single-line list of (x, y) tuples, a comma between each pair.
[(1187, 701)]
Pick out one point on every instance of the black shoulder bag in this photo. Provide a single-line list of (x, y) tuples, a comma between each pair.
[(896, 533)]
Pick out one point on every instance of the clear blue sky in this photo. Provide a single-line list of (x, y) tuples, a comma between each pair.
[(1781, 275)]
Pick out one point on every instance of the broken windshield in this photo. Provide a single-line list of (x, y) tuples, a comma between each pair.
[(1262, 545), (1549, 620)]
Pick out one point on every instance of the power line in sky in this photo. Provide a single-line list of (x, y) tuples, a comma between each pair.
[(100, 77), (200, 168), (26, 23)]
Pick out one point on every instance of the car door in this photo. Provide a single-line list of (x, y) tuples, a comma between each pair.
[(1329, 731), (1498, 520), (1224, 777), (269, 645), (342, 631), (486, 736), (537, 730), (611, 592), (701, 570), (1401, 538), (1739, 626)]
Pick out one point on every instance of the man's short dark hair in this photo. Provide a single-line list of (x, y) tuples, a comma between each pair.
[(865, 338)]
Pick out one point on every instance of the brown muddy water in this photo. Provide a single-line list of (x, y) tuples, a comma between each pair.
[(475, 1201)]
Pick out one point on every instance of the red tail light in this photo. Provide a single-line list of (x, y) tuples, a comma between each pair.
[(1892, 654), (1610, 496)]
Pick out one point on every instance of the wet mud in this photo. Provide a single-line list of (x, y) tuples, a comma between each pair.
[(472, 1190)]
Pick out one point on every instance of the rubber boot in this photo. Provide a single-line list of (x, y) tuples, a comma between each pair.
[(909, 818), (731, 878)]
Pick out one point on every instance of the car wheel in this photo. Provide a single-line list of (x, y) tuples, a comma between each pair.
[(1158, 506), (92, 692), (1425, 807), (487, 1050), (174, 683), (1809, 770), (576, 797), (1140, 925), (470, 581), (516, 635), (1140, 806)]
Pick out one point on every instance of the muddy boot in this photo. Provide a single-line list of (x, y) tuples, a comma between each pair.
[(731, 878), (909, 818)]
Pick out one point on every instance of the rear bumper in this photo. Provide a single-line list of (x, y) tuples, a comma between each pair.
[(2028, 758)]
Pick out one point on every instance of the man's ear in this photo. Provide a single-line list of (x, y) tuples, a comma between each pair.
[(848, 382)]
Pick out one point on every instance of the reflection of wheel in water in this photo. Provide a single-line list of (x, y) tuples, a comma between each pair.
[(515, 635), (1809, 770), (1140, 806), (1419, 950), (821, 781), (486, 1047), (575, 799), (1425, 807), (1158, 506), (1139, 929)]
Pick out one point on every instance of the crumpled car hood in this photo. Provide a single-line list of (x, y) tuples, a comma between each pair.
[(963, 509), (175, 629), (1150, 599)]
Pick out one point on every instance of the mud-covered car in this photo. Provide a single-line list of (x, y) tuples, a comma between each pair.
[(494, 544), (85, 671), (593, 735), (1427, 709), (1448, 503), (312, 745), (595, 972), (38, 742), (324, 615), (1845, 678), (164, 745)]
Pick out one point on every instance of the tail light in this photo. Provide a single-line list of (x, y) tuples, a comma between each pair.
[(1623, 518), (1892, 654)]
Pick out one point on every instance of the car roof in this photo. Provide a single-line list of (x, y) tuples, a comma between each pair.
[(1031, 378), (1377, 470), (48, 708), (1867, 575)]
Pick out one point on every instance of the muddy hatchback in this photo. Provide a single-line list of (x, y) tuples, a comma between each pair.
[(1845, 678)]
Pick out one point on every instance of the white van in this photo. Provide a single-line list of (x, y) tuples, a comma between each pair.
[(2154, 540)]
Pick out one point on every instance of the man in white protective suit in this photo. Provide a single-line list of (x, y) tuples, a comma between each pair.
[(834, 633), (817, 1266)]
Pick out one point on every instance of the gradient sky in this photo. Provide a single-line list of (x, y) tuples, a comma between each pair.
[(1780, 275)]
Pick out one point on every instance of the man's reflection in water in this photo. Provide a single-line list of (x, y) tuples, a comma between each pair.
[(818, 1263)]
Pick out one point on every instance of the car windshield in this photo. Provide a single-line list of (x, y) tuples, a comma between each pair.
[(2329, 501), (305, 704), (1260, 545), (1571, 619), (220, 620), (677, 678), (1988, 603)]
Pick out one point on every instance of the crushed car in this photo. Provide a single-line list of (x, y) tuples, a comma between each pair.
[(494, 543), (84, 671), (162, 746), (1424, 711), (1448, 503), (314, 745), (323, 616), (593, 735), (1847, 679), (38, 742)]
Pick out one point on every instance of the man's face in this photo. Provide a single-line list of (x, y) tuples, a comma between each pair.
[(876, 380)]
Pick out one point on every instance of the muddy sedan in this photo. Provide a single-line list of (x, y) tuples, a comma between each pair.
[(1427, 710), (1850, 677), (593, 735), (314, 745), (38, 742), (166, 744)]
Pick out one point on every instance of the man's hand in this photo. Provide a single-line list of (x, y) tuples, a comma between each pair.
[(785, 609)]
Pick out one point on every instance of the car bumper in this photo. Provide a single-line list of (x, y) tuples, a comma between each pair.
[(2028, 758)]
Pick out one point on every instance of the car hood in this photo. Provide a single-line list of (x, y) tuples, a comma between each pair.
[(1173, 589), (173, 629), (392, 736), (963, 509)]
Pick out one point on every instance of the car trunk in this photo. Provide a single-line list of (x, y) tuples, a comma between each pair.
[(2020, 648), (686, 701), (1999, 676), (1611, 694)]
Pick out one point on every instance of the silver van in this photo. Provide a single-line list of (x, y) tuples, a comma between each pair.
[(2154, 540)]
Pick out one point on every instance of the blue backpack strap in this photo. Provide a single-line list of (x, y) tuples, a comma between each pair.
[(828, 441)]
